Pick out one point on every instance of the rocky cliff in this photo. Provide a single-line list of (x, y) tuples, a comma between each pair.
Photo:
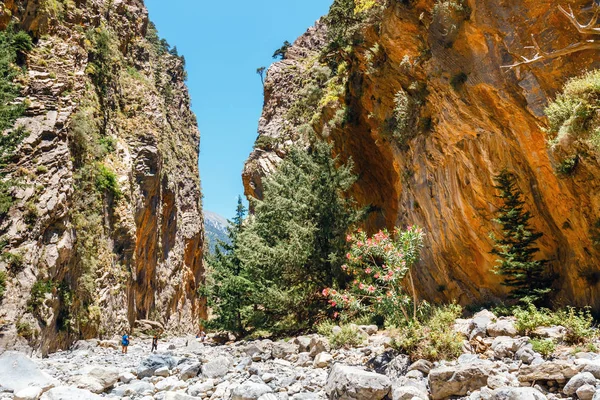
[(105, 224), (419, 99)]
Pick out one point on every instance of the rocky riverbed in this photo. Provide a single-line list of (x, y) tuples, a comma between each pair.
[(497, 364)]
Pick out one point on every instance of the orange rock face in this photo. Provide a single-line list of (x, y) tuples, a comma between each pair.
[(475, 118)]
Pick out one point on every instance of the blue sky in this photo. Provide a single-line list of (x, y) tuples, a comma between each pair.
[(224, 42)]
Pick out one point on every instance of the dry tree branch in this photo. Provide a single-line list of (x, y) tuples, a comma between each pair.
[(590, 44)]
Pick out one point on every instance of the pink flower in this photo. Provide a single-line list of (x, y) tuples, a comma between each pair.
[(368, 270), (348, 256), (333, 292), (376, 275), (370, 289), (325, 292), (333, 303), (361, 286), (344, 267), (335, 314), (359, 244)]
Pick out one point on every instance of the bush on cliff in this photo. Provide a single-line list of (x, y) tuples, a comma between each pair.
[(573, 114), (2, 284)]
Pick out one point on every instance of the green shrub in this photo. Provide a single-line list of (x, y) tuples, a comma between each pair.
[(14, 261), (265, 142), (41, 169), (325, 328), (106, 181), (545, 347), (348, 336), (13, 45), (432, 337), (25, 330), (108, 145), (38, 294), (402, 123), (448, 16), (530, 318), (103, 56), (282, 51), (568, 165), (31, 214), (573, 112), (578, 323), (3, 278)]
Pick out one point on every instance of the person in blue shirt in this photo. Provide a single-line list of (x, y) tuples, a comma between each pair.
[(124, 343)]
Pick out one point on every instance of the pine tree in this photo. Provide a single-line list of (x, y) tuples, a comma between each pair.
[(528, 278), (228, 290), (296, 242)]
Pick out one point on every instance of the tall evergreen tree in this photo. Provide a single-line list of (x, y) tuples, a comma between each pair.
[(296, 242), (228, 289), (528, 279)]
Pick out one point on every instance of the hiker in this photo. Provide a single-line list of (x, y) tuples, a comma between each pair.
[(201, 336), (124, 343), (154, 342)]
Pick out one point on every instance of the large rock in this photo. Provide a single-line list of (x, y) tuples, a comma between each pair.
[(136, 388), (352, 383), (69, 393), (17, 372), (586, 392), (458, 380), (506, 347), (479, 324), (408, 393), (284, 350), (322, 360), (558, 370), (154, 362), (577, 381), (260, 350), (303, 343), (30, 393), (250, 391), (170, 383), (517, 393), (318, 345), (502, 327), (217, 367), (201, 387), (98, 379), (189, 371), (593, 367), (178, 396)]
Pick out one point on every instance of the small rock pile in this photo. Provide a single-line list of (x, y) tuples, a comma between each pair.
[(497, 364)]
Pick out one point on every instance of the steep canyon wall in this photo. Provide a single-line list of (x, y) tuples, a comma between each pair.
[(422, 104)]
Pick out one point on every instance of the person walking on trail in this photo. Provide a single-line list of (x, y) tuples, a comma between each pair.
[(154, 342), (124, 343)]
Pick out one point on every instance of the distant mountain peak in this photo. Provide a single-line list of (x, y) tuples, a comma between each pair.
[(215, 226)]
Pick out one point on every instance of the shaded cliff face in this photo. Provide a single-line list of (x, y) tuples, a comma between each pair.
[(429, 117), (106, 224)]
